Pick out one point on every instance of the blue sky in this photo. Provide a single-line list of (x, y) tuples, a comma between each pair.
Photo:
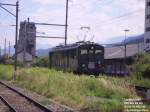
[(97, 14)]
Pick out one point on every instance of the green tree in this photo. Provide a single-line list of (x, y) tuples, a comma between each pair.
[(41, 62)]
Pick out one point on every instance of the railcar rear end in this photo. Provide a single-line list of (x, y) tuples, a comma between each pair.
[(85, 58), (91, 59)]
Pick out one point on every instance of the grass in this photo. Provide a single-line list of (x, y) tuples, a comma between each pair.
[(144, 82), (141, 71), (104, 93), (6, 72)]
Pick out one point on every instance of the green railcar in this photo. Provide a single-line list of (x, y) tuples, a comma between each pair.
[(81, 57)]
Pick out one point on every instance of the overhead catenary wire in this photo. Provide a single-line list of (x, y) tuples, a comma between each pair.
[(114, 18), (7, 11), (123, 15), (120, 17), (107, 3)]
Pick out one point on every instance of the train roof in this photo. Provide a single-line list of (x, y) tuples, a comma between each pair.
[(73, 46)]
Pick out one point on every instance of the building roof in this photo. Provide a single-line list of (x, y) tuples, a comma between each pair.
[(118, 52)]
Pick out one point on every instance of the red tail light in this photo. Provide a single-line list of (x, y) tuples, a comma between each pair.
[(98, 66)]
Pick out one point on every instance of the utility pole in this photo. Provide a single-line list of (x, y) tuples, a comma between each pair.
[(9, 48), (125, 47), (66, 25), (5, 47), (16, 33), (16, 41), (0, 52), (24, 43)]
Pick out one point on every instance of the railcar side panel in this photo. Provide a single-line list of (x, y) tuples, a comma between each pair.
[(86, 58)]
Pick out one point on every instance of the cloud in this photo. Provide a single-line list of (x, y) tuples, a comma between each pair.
[(48, 2), (97, 14)]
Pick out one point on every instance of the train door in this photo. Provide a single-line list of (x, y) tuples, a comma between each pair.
[(91, 57), (82, 59), (95, 59)]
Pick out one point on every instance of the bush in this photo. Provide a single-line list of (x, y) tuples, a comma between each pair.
[(41, 62), (141, 71), (141, 66), (7, 61)]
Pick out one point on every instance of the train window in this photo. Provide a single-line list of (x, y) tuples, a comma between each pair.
[(91, 51), (147, 40), (148, 29), (83, 52), (99, 62), (92, 47), (98, 51)]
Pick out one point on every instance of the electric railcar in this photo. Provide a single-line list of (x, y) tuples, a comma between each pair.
[(81, 57)]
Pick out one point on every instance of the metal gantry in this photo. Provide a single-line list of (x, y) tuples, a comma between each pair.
[(66, 26), (60, 25), (16, 25)]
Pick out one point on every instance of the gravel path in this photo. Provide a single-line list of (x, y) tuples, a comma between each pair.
[(51, 104), (18, 102)]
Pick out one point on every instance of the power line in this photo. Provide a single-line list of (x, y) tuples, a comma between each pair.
[(118, 18), (50, 37), (109, 2), (123, 15), (7, 10), (50, 24)]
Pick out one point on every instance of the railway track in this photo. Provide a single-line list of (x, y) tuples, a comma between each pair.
[(5, 106), (143, 92), (18, 102), (140, 88)]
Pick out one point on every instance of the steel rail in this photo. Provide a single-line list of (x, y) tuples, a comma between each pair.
[(42, 107), (142, 88), (7, 104)]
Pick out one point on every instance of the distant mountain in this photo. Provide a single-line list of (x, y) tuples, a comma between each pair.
[(12, 50), (43, 46), (42, 52), (129, 40), (43, 49), (135, 39)]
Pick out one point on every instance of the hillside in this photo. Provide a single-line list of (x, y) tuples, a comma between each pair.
[(42, 50), (129, 40)]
